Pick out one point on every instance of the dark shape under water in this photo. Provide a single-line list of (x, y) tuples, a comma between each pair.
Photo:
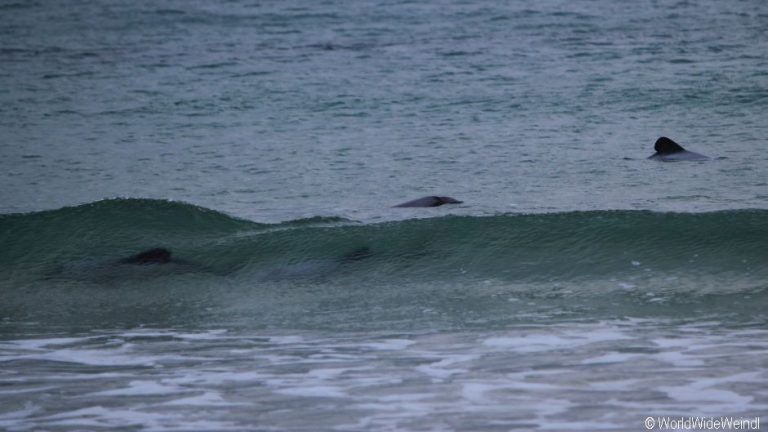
[(315, 269), (670, 151), (312, 269), (357, 255), (150, 263), (151, 256), (430, 201)]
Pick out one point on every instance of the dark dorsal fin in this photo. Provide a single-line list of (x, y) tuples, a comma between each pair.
[(665, 145), (151, 256)]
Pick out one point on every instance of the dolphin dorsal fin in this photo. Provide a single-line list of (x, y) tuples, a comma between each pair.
[(665, 145)]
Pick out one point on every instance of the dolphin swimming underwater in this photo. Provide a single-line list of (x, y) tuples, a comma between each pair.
[(670, 151), (150, 263), (316, 269), (159, 262), (430, 201), (150, 256)]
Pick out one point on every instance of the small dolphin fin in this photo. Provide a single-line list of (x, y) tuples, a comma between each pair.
[(670, 151), (665, 145)]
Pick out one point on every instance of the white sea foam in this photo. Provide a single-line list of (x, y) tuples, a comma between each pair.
[(426, 381)]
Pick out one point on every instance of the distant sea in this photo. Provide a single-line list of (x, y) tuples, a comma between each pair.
[(579, 286)]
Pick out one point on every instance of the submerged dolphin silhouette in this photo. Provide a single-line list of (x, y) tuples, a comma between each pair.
[(430, 201), (315, 269), (356, 255), (157, 262), (670, 151), (150, 256), (149, 263)]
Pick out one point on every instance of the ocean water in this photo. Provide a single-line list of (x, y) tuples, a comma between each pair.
[(579, 286)]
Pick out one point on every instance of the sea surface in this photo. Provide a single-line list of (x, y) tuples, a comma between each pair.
[(579, 286)]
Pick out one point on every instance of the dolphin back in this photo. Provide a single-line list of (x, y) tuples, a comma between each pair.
[(430, 201)]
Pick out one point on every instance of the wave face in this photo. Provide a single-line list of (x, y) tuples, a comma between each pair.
[(569, 261)]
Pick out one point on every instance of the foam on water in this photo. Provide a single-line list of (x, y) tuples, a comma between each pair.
[(605, 375)]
